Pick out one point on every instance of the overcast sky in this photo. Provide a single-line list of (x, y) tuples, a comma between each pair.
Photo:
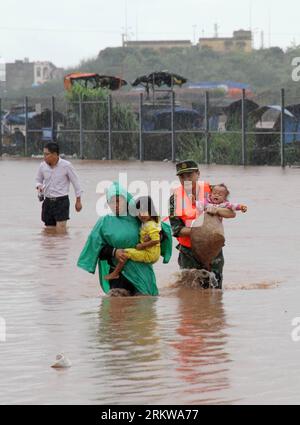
[(65, 32)]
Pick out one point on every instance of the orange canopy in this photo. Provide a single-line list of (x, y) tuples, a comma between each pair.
[(77, 75)]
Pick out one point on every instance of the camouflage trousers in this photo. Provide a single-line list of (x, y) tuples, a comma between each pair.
[(186, 260)]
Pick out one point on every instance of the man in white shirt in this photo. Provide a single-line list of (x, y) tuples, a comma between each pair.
[(53, 184)]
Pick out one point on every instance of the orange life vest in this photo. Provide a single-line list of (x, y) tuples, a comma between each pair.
[(186, 209)]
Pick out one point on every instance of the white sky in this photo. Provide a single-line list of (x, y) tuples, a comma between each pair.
[(65, 31)]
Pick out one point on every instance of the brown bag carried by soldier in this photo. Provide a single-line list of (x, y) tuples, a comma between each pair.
[(207, 239)]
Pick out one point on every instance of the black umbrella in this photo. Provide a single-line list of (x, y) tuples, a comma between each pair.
[(159, 79), (141, 81)]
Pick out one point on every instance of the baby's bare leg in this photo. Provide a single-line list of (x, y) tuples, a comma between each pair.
[(116, 273)]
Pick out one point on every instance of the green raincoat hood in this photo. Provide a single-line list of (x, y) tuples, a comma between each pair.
[(117, 190)]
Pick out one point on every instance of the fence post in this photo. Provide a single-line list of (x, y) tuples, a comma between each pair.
[(153, 89), (53, 118), (26, 127), (173, 126), (80, 130), (141, 146), (244, 136), (207, 144), (282, 129), (109, 116), (1, 150)]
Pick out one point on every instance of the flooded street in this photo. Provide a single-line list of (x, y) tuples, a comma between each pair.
[(183, 347)]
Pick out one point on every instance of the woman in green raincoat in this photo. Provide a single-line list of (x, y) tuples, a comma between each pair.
[(113, 233)]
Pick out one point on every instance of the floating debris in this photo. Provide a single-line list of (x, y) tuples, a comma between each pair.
[(61, 362)]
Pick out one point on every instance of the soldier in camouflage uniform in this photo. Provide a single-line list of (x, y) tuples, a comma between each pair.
[(188, 171)]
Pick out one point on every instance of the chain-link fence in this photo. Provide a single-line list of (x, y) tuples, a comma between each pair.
[(220, 131)]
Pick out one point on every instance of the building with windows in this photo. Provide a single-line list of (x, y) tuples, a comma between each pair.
[(43, 72), (157, 44), (23, 74), (240, 42)]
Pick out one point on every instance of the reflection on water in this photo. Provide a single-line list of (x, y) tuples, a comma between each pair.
[(201, 343), (131, 321), (129, 347), (139, 357), (184, 347)]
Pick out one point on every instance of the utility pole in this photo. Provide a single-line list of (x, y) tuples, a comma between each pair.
[(216, 27), (136, 27), (250, 15), (194, 33), (126, 21), (123, 39), (262, 40), (269, 27)]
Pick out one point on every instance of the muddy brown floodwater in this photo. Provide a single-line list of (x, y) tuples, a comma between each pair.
[(185, 346)]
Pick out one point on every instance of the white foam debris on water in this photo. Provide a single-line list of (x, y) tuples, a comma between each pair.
[(61, 362)]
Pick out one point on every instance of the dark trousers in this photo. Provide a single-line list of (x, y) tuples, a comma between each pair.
[(186, 260), (122, 283)]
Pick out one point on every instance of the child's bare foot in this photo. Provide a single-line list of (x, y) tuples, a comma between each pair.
[(111, 276)]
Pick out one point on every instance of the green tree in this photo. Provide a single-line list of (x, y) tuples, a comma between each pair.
[(95, 118)]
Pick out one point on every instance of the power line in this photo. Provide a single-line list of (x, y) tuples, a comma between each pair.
[(58, 30), (84, 30)]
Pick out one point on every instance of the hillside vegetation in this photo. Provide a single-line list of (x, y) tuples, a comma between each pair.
[(266, 70)]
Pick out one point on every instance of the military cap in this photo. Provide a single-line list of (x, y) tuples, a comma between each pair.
[(187, 166)]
